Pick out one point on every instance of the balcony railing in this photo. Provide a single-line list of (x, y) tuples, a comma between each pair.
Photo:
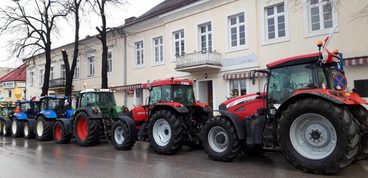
[(57, 83), (196, 61)]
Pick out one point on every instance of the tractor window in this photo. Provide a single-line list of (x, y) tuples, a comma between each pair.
[(24, 107), (88, 100), (284, 81), (105, 99), (183, 94), (155, 95), (166, 93)]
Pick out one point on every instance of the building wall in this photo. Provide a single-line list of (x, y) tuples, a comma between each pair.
[(254, 55), (15, 92), (88, 47)]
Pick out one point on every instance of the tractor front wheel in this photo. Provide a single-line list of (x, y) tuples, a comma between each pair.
[(28, 131), (1, 127), (60, 135), (166, 132), (43, 129), (17, 128), (6, 129), (122, 136), (318, 136), (220, 140), (86, 130)]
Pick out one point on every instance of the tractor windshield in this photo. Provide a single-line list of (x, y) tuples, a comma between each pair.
[(24, 107), (100, 99), (325, 76), (172, 93)]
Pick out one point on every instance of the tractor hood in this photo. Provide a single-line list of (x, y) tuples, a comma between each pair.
[(240, 100)]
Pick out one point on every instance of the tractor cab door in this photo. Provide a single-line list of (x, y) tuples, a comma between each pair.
[(283, 82)]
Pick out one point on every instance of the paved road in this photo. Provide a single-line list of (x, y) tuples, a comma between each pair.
[(28, 158)]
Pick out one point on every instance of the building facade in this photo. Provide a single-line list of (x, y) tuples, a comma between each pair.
[(13, 84), (217, 43), (87, 74)]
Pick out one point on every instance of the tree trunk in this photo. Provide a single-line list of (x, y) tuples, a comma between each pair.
[(103, 31), (68, 73), (46, 78)]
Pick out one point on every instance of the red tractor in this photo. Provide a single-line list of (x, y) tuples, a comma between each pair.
[(304, 113), (171, 117)]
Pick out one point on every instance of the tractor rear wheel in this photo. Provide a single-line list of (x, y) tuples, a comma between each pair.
[(1, 127), (122, 136), (60, 135), (43, 129), (318, 136), (86, 130), (220, 140), (165, 132), (361, 114), (28, 131), (17, 128)]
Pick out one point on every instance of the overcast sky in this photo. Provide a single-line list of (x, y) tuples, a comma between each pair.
[(116, 18)]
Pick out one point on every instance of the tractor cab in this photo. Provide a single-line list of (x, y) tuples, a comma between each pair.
[(26, 108), (6, 109), (101, 101), (56, 107)]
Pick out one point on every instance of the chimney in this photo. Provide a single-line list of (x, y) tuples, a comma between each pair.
[(130, 19)]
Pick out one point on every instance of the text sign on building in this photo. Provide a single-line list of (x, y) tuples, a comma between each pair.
[(8, 84)]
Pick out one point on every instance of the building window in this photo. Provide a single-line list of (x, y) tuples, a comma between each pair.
[(361, 87), (179, 44), (51, 73), (41, 76), (158, 48), (238, 88), (62, 71), (205, 37), (91, 66), (237, 30), (275, 21), (10, 93), (320, 14), (31, 76), (139, 53), (76, 70), (109, 61)]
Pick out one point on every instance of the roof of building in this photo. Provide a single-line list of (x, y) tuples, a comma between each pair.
[(18, 74), (163, 7)]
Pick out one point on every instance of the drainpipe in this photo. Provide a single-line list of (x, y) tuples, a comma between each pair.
[(125, 67)]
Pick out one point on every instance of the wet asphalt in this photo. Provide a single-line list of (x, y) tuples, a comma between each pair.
[(29, 158)]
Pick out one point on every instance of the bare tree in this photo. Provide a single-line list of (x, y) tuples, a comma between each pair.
[(74, 7), (100, 8), (33, 22)]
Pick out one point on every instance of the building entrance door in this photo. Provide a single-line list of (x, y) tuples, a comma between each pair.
[(205, 92)]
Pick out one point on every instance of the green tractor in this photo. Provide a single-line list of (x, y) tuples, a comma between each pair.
[(6, 110), (95, 116)]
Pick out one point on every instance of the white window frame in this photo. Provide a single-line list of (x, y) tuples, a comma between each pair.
[(264, 27), (42, 75), (109, 61), (207, 34), (76, 70), (31, 76), (141, 53), (180, 41), (161, 50), (307, 22), (62, 71), (239, 87), (52, 72), (91, 65), (237, 25)]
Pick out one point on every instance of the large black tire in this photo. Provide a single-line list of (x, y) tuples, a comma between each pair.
[(361, 114), (16, 128), (87, 131), (1, 127), (347, 135), (44, 129), (226, 136), (175, 135), (122, 137), (28, 131), (7, 129), (60, 135), (196, 142)]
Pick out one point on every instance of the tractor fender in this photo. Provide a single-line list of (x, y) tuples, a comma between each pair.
[(69, 113), (48, 114), (238, 123), (67, 125), (89, 113), (20, 115), (131, 125), (180, 110), (303, 95)]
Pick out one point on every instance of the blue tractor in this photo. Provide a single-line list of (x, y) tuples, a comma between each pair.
[(52, 108), (21, 120)]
